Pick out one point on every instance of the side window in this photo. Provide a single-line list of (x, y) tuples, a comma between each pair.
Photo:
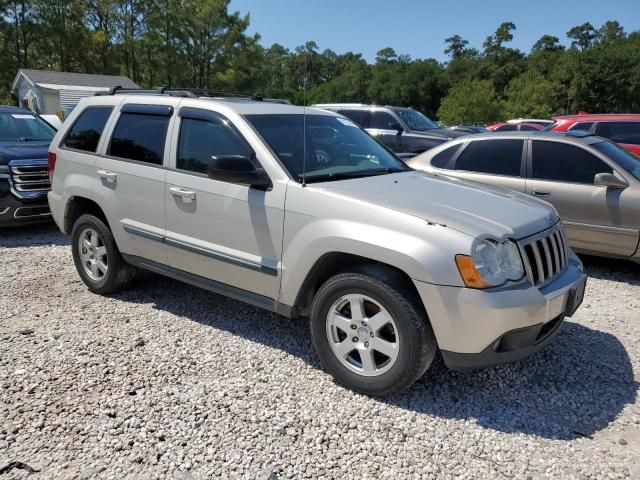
[(86, 131), (200, 139), (140, 136), (527, 128), (620, 132), (581, 126), (442, 159), (497, 157), (565, 163), (358, 116), (510, 127), (381, 120)]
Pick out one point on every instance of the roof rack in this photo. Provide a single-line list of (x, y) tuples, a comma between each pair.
[(191, 93)]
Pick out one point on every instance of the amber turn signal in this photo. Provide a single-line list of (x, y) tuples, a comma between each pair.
[(469, 272)]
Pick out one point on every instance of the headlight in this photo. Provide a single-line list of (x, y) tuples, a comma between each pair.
[(491, 264)]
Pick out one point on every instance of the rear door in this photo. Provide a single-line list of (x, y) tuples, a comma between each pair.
[(498, 162), (131, 171), (626, 134), (594, 216)]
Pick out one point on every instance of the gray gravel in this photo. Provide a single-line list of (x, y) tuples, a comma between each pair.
[(167, 381)]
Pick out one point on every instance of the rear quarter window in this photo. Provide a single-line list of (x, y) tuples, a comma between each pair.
[(441, 160), (86, 131)]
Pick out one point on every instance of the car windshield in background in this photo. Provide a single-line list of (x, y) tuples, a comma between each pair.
[(24, 127), (415, 120), (336, 148), (622, 157)]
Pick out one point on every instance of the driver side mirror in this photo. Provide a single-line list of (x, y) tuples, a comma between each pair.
[(395, 126), (609, 180), (237, 169)]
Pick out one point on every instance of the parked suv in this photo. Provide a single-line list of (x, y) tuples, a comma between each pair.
[(389, 264), (624, 129), (403, 130), (24, 183), (592, 182)]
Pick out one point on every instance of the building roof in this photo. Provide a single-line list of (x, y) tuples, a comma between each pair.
[(73, 79)]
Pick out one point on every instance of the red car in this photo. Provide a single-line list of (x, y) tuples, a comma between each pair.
[(623, 129), (514, 127)]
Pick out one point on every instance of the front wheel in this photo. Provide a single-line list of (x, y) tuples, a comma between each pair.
[(97, 258), (370, 332)]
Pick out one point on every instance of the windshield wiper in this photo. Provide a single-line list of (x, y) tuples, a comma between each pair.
[(348, 175)]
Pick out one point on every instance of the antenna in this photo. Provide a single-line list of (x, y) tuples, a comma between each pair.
[(304, 123)]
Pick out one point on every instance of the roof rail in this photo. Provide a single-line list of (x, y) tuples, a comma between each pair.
[(190, 93)]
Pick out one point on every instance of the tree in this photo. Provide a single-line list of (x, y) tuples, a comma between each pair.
[(457, 46), (494, 44), (470, 101), (582, 36), (547, 43), (610, 31), (529, 95)]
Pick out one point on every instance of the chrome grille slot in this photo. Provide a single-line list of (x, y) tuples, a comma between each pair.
[(29, 175), (544, 255)]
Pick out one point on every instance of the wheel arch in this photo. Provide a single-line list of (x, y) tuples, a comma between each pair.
[(333, 263), (77, 206)]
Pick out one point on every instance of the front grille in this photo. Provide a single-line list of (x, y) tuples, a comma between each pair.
[(544, 255), (29, 175)]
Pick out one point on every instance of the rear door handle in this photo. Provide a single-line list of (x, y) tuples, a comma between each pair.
[(187, 195), (108, 176), (541, 193)]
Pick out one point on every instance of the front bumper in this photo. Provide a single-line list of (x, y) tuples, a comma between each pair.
[(15, 212), (477, 328)]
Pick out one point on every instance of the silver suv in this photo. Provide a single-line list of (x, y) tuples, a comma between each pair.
[(389, 264)]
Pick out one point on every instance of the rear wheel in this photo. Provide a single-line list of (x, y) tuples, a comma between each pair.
[(97, 258), (370, 332)]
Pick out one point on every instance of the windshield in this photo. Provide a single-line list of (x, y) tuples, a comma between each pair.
[(622, 157), (415, 120), (24, 127), (336, 148)]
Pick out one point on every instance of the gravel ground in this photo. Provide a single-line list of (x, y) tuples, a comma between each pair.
[(168, 381)]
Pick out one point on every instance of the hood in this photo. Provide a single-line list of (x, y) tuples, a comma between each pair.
[(22, 150), (469, 207), (444, 133)]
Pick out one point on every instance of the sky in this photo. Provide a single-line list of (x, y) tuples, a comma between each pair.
[(418, 27)]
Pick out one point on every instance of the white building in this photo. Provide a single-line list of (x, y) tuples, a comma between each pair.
[(58, 93)]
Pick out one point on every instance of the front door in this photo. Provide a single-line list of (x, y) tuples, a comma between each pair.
[(382, 126), (225, 232), (593, 216)]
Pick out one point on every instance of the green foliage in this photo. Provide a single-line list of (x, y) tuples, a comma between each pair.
[(470, 101), (529, 95), (201, 43)]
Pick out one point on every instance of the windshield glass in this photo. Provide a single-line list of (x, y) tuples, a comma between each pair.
[(336, 148), (24, 127), (622, 157), (415, 120)]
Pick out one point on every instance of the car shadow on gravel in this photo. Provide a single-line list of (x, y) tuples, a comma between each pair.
[(39, 234), (573, 388), (612, 269)]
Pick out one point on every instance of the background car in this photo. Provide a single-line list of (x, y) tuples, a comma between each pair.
[(469, 129), (402, 130), (24, 181), (593, 183), (537, 121), (514, 127), (623, 129)]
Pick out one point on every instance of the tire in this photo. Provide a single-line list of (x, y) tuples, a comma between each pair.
[(99, 263), (382, 291)]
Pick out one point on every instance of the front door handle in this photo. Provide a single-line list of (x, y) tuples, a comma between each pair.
[(187, 195), (541, 193), (108, 176)]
